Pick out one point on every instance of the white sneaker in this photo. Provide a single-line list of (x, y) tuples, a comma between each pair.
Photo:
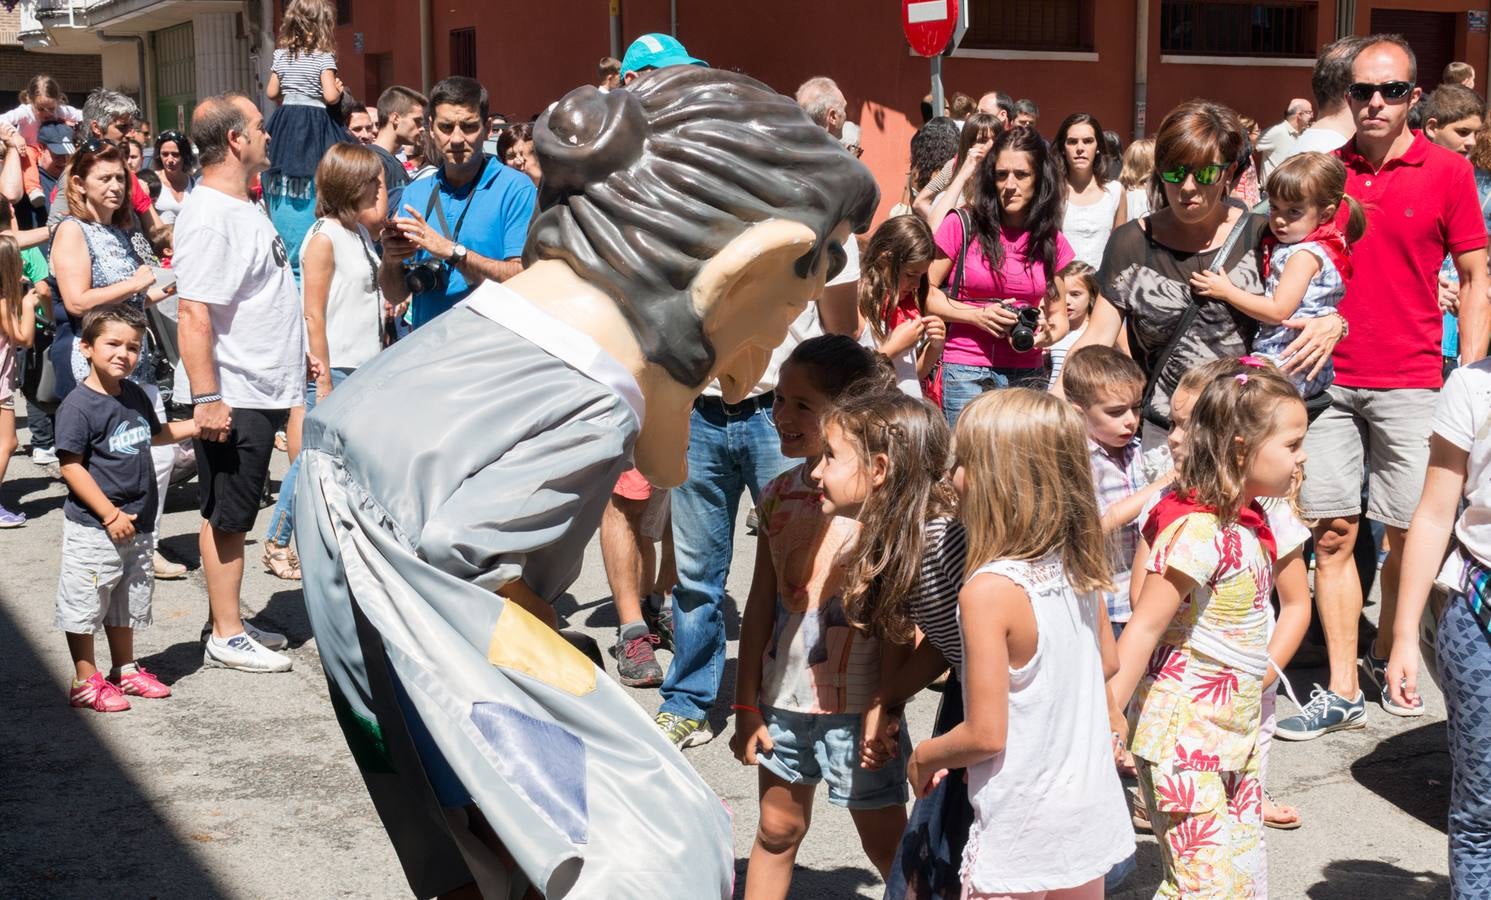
[(43, 456), (272, 640), (245, 654)]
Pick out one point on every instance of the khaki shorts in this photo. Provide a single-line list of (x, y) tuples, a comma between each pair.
[(1382, 435), (103, 583)]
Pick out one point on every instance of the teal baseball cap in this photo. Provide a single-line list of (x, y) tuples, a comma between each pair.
[(654, 51)]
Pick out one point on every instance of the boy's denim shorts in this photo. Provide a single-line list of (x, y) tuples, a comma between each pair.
[(814, 747)]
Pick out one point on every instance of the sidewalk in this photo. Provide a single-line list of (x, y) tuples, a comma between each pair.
[(241, 786)]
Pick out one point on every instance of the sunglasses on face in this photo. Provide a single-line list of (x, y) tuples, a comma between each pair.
[(94, 145), (1362, 92), (1206, 175)]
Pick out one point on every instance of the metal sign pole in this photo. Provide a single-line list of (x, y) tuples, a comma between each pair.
[(937, 106)]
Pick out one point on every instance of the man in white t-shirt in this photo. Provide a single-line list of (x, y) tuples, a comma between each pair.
[(1333, 125), (243, 345), (1278, 142), (733, 447)]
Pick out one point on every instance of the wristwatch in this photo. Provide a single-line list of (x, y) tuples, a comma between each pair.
[(457, 254)]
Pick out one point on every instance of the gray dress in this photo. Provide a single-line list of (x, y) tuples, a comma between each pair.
[(464, 457)]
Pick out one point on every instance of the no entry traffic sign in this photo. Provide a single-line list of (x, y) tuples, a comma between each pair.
[(929, 24)]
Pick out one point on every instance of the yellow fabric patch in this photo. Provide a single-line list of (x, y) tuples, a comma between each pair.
[(524, 644)]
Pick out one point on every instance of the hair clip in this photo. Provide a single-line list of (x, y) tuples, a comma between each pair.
[(1252, 362), (1242, 377)]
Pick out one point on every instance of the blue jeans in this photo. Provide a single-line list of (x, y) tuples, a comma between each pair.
[(1464, 653), (282, 520), (291, 203), (727, 453), (960, 384)]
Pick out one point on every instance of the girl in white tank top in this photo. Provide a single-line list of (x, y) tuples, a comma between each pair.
[(1049, 814)]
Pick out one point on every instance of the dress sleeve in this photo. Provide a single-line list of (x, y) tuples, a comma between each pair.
[(277, 64), (484, 532), (1123, 253), (1189, 546)]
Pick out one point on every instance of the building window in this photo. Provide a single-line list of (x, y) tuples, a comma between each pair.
[(463, 52), (344, 12), (1063, 25), (1284, 28)]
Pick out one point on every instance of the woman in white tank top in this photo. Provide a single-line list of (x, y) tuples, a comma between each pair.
[(1094, 205), (344, 308), (173, 161)]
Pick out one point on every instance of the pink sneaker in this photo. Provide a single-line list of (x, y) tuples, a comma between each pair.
[(140, 683), (98, 694)]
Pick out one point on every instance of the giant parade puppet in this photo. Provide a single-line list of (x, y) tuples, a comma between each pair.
[(449, 488)]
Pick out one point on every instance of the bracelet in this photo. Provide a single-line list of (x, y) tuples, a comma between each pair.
[(110, 520), (741, 707), (1345, 325), (199, 399)]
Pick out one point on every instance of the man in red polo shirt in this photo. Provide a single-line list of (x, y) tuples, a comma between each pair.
[(1421, 205)]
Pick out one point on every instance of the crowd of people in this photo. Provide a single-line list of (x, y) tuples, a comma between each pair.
[(1063, 439)]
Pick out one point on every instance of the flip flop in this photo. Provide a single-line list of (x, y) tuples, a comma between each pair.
[(1281, 825)]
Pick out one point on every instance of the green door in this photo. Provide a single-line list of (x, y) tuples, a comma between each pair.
[(175, 77)]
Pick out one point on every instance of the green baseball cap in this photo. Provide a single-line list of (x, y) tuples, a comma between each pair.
[(654, 51)]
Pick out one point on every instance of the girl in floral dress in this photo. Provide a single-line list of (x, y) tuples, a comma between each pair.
[(1196, 648)]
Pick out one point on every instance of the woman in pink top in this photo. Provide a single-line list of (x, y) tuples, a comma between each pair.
[(1002, 308)]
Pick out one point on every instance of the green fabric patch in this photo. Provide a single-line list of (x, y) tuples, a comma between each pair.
[(364, 737)]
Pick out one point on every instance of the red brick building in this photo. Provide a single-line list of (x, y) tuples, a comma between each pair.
[(1105, 57)]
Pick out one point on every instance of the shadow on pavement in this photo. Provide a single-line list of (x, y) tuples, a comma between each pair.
[(285, 613), (77, 824), (1411, 770), (37, 507), (1371, 879), (843, 883)]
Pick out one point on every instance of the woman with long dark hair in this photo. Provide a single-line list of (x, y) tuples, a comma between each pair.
[(1095, 203), (997, 261), (175, 163)]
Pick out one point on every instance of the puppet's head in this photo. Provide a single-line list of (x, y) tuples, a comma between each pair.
[(707, 205)]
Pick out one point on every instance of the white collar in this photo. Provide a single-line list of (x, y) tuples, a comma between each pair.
[(557, 338)]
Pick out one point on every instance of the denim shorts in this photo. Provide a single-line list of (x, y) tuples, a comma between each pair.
[(813, 747)]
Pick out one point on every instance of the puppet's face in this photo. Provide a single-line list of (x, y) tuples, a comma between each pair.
[(749, 316)]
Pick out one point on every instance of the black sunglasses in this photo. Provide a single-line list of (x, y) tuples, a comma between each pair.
[(1362, 92), (94, 145)]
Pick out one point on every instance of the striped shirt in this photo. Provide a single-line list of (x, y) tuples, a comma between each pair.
[(301, 74), (1115, 478), (934, 605)]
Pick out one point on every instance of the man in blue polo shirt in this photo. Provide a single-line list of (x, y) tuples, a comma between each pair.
[(463, 225)]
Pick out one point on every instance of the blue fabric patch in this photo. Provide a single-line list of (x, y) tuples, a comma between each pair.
[(541, 761)]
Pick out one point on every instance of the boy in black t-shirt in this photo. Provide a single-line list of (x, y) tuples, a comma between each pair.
[(105, 429)]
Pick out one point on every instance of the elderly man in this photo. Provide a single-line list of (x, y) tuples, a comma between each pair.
[(824, 103), (1277, 143)]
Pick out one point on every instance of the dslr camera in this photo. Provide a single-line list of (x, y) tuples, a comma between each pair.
[(1022, 333), (426, 276)]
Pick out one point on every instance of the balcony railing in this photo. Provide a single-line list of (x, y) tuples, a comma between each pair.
[(1283, 28)]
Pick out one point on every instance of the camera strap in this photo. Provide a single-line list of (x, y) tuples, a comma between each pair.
[(434, 205)]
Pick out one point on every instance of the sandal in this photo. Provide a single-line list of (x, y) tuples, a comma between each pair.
[(281, 562), (1138, 813), (1283, 824)]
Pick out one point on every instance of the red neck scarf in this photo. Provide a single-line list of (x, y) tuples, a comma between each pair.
[(1172, 506), (1330, 238)]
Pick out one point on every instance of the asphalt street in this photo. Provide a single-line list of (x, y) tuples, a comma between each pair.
[(241, 786)]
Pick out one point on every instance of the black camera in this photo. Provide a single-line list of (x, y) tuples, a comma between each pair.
[(426, 276), (1022, 333)]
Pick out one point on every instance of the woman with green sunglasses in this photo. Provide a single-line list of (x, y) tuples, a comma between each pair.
[(1146, 296)]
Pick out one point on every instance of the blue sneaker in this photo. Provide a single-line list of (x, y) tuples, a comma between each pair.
[(1326, 712), (1376, 671), (10, 519)]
